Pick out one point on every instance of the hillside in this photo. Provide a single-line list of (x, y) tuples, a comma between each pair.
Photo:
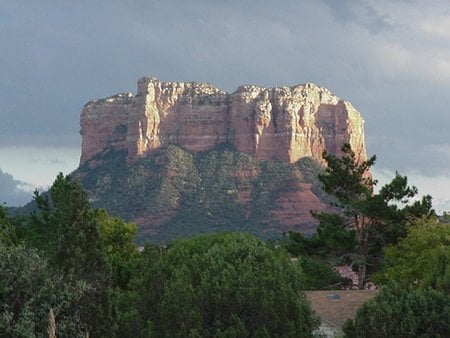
[(172, 192)]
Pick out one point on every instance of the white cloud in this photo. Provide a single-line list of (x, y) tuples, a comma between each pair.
[(14, 192), (436, 186), (38, 165), (397, 41), (441, 69), (436, 26)]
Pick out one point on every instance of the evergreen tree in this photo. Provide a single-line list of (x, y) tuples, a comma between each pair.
[(67, 228), (221, 285), (375, 219), (67, 257), (29, 288), (402, 312), (68, 231), (8, 234)]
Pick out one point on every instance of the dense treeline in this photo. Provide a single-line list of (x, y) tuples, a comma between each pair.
[(66, 257), (222, 285), (390, 240), (82, 267), (415, 301), (365, 221)]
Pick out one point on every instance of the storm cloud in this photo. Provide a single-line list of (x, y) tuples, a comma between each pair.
[(391, 59)]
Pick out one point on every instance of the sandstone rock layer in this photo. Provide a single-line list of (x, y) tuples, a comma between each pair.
[(285, 123)]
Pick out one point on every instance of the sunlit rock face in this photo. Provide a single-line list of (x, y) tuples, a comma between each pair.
[(285, 123)]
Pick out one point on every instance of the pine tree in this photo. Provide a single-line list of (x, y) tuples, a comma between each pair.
[(375, 218)]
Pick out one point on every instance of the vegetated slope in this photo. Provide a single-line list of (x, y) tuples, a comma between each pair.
[(172, 193)]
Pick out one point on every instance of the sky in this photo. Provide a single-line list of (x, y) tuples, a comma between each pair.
[(391, 59)]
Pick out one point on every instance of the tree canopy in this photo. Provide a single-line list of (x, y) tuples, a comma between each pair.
[(365, 221), (72, 259), (402, 312), (223, 285), (414, 300), (82, 265), (30, 287), (421, 259)]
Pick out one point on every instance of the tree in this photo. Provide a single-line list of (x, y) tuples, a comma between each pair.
[(29, 288), (375, 218), (330, 240), (421, 259), (68, 258), (68, 231), (414, 302), (7, 232), (402, 312), (117, 241), (222, 285), (318, 275)]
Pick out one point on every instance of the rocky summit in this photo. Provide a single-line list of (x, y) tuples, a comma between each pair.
[(180, 158), (285, 123)]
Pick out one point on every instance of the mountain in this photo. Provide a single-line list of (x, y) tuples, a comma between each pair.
[(286, 123), (181, 158)]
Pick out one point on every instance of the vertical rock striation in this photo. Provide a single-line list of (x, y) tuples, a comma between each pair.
[(285, 123)]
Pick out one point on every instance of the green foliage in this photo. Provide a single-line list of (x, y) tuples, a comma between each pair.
[(194, 194), (29, 288), (66, 228), (117, 242), (86, 243), (310, 170), (400, 312), (222, 285), (267, 185), (331, 240), (422, 259), (212, 204), (8, 234), (318, 275), (76, 260), (82, 263), (347, 179), (319, 253), (375, 219)]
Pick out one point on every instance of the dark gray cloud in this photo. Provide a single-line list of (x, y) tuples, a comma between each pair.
[(389, 58), (12, 191), (360, 13)]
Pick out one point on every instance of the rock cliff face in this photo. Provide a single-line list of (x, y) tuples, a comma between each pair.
[(141, 156), (285, 123)]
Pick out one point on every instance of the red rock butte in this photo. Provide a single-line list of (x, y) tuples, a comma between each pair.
[(285, 123)]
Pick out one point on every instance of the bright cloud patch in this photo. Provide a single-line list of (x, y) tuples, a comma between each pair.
[(437, 26), (436, 186), (14, 192), (39, 166)]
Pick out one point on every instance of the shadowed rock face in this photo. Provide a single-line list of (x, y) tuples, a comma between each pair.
[(285, 123)]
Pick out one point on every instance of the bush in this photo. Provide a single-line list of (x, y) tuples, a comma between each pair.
[(398, 312), (224, 285)]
